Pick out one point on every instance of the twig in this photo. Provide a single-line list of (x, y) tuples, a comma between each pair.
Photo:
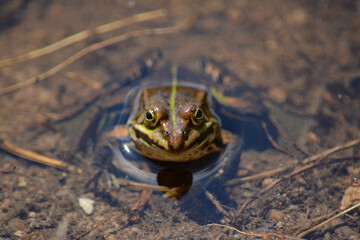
[(299, 170), (87, 50), (264, 236), (99, 225), (273, 143), (125, 182), (306, 160), (217, 204), (256, 176), (144, 198), (84, 35), (8, 169), (34, 157), (332, 150), (93, 84), (327, 221)]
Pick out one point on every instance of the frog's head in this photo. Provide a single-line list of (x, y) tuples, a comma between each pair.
[(184, 131)]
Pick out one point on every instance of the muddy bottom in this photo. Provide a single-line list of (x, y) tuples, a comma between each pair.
[(303, 57)]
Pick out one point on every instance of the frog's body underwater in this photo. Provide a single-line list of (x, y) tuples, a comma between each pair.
[(169, 117)]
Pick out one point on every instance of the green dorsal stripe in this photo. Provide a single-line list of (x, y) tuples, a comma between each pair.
[(174, 70)]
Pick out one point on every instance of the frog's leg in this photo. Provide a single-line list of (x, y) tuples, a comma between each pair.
[(242, 102), (231, 92)]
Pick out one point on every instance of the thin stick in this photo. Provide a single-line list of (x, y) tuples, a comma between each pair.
[(99, 225), (34, 157), (87, 50), (299, 170), (273, 143), (217, 204), (263, 236), (332, 150), (144, 198), (256, 176), (125, 182), (8, 169), (306, 160), (325, 222), (93, 84), (84, 35)]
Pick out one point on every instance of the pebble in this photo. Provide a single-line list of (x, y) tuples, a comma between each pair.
[(22, 182), (351, 196), (87, 205), (19, 233), (267, 182), (32, 214), (276, 215), (16, 224)]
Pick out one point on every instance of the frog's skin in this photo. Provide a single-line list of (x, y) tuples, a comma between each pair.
[(174, 123)]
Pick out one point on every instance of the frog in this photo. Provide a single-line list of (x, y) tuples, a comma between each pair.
[(169, 118)]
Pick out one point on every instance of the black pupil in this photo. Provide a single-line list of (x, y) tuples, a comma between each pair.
[(149, 116), (199, 114)]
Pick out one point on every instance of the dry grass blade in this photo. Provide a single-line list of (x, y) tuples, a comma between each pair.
[(329, 220), (256, 176), (332, 150), (99, 225), (84, 35), (8, 169), (125, 182), (217, 204), (34, 157), (93, 84), (299, 170), (87, 50), (306, 160), (263, 236)]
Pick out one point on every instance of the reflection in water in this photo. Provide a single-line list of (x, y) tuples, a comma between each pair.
[(177, 178)]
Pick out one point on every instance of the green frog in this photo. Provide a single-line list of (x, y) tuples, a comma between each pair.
[(169, 117)]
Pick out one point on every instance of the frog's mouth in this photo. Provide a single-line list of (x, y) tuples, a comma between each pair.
[(199, 142)]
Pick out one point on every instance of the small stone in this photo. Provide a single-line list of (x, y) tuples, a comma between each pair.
[(276, 215), (32, 214), (351, 196), (267, 182), (22, 182), (16, 224), (87, 205), (135, 229), (19, 233), (242, 172), (278, 94)]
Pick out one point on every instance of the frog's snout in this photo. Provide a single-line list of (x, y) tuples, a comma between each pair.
[(176, 142)]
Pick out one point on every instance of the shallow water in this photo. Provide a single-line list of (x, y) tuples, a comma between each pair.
[(301, 56)]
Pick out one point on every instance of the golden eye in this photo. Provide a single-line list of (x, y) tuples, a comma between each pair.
[(197, 116), (151, 118)]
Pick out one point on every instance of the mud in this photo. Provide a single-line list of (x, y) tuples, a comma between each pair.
[(304, 55)]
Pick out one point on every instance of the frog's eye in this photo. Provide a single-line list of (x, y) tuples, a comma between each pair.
[(151, 118), (197, 115)]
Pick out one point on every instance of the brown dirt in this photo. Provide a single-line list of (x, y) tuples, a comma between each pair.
[(306, 54)]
